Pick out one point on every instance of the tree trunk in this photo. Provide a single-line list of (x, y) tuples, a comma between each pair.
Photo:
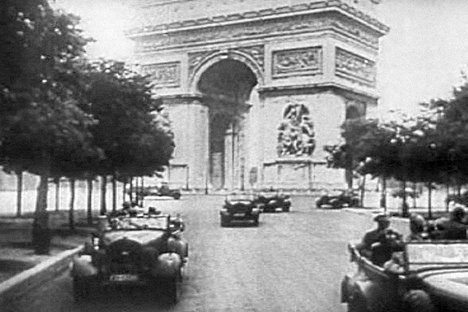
[(429, 200), (383, 194), (19, 193), (405, 207), (40, 231), (131, 189), (124, 190), (71, 208), (89, 209), (349, 178), (363, 189), (414, 195), (114, 193), (57, 194), (142, 197), (447, 188), (103, 194)]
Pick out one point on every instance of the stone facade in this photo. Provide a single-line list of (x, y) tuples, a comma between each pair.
[(255, 89)]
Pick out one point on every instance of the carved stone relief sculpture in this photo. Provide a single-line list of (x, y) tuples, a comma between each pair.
[(297, 62), (354, 67), (296, 136), (163, 74)]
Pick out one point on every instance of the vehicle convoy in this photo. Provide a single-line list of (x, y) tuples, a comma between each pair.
[(239, 207), (132, 250), (338, 199), (433, 277), (272, 202)]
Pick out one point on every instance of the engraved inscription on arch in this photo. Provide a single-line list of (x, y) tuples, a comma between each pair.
[(297, 62), (163, 74), (355, 67)]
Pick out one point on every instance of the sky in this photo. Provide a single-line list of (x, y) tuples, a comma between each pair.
[(421, 58)]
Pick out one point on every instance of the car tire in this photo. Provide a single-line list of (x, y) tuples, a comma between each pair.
[(417, 300), (357, 303), (224, 221), (172, 289), (81, 289), (176, 196), (255, 221), (286, 209), (336, 204)]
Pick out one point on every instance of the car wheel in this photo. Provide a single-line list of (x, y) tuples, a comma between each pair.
[(81, 289), (335, 204), (286, 209), (357, 303), (354, 203), (256, 221), (172, 290), (417, 300), (176, 196), (224, 221)]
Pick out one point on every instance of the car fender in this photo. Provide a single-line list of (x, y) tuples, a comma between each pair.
[(168, 265), (373, 294), (178, 246), (82, 266)]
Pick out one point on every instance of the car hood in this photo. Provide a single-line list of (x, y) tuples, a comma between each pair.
[(450, 283), (143, 237)]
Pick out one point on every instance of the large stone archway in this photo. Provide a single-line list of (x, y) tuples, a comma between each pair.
[(225, 87), (255, 90)]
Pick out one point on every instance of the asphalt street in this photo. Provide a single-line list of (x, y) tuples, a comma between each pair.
[(291, 262)]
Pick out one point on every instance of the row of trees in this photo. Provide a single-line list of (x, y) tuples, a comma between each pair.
[(430, 148), (64, 116)]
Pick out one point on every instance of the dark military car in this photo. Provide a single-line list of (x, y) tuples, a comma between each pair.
[(338, 199), (138, 250), (163, 190), (239, 207), (433, 277), (272, 202)]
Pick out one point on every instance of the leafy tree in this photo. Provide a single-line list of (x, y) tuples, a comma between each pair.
[(131, 131), (40, 120)]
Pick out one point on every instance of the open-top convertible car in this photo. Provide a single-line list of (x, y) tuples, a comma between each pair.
[(239, 207), (338, 199), (272, 202), (130, 250), (163, 190), (432, 277)]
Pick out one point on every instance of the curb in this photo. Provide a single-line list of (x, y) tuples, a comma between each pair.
[(19, 285)]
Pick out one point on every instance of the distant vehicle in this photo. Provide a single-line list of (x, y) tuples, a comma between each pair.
[(130, 251), (162, 190), (461, 199), (338, 199), (272, 202), (433, 278), (239, 207)]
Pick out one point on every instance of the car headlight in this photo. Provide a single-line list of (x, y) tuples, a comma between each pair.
[(95, 241)]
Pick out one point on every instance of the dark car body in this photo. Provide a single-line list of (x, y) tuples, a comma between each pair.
[(433, 278), (163, 190), (338, 199), (239, 207), (272, 202), (143, 250)]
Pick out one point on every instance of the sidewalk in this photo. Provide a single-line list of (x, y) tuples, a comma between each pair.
[(16, 251)]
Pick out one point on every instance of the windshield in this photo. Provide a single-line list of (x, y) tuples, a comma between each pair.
[(240, 197), (140, 223)]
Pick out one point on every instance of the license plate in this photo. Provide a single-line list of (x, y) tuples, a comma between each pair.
[(239, 214), (123, 278)]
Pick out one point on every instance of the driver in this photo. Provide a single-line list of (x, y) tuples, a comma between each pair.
[(379, 242)]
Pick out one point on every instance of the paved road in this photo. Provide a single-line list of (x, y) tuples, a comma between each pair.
[(291, 262)]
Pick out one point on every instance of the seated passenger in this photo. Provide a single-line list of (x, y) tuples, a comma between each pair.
[(452, 227), (417, 226), (377, 235)]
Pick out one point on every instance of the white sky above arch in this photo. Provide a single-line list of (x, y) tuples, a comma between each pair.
[(420, 58)]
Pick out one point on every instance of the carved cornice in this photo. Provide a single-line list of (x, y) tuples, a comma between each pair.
[(262, 15), (257, 30)]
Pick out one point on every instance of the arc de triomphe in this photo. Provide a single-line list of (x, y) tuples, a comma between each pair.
[(255, 89)]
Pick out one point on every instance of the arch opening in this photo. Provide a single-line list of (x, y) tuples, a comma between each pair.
[(226, 87)]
